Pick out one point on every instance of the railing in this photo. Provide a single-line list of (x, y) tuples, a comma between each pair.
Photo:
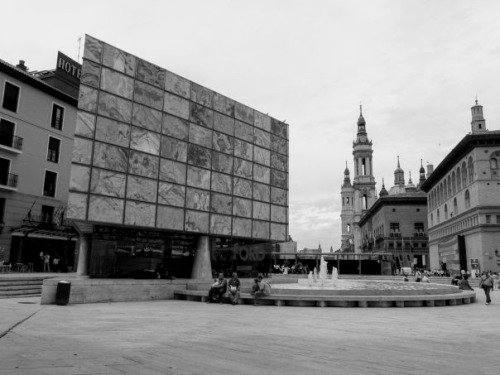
[(13, 142), (9, 180), (395, 234)]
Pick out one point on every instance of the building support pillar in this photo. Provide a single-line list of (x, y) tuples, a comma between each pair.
[(202, 266), (82, 270)]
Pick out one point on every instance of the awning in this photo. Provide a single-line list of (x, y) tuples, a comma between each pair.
[(67, 234)]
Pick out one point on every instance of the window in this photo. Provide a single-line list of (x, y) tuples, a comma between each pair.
[(365, 202), (348, 228), (445, 211), (464, 174), (49, 184), (47, 214), (498, 219), (453, 183), (467, 199), (459, 186), (419, 229), (53, 151), (363, 167), (470, 165), (2, 210), (7, 132), (432, 220), (455, 206), (57, 117), (438, 216), (494, 165), (394, 230), (488, 219), (10, 97), (4, 171)]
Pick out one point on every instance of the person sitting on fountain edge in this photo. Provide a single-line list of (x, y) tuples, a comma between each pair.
[(260, 288), (217, 290), (233, 291)]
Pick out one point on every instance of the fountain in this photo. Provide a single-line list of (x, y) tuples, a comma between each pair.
[(362, 292)]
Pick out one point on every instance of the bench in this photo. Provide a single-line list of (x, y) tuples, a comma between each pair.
[(464, 297)]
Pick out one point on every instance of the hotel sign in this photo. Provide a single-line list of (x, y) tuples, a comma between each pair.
[(68, 68)]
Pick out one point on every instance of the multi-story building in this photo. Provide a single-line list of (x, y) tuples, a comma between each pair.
[(166, 171), (37, 123), (464, 202)]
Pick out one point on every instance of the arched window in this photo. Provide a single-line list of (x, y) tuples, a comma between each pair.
[(365, 202), (453, 183), (438, 216), (455, 206), (467, 199), (464, 174), (432, 220), (459, 179), (348, 228), (494, 165), (445, 189), (449, 186), (441, 193), (445, 211), (470, 165)]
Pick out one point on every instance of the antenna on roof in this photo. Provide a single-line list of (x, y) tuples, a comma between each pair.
[(79, 48)]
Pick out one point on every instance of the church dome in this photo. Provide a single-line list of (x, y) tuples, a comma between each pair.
[(361, 120), (383, 192)]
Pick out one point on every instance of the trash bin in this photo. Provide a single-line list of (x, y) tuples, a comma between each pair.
[(62, 293)]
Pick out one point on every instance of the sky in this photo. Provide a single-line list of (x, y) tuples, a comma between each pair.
[(415, 66)]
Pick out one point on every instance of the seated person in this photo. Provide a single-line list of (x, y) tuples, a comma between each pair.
[(233, 289), (464, 284), (218, 289), (260, 288)]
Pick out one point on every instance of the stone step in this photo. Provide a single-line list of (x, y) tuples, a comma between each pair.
[(4, 283), (20, 293), (4, 288)]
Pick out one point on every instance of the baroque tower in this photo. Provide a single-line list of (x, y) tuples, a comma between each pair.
[(364, 181), (347, 214), (478, 124)]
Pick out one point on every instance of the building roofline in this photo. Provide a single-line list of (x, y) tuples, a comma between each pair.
[(462, 148), (397, 199), (36, 82)]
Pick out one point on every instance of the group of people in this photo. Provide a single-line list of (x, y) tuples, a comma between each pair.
[(285, 268), (48, 264), (223, 290)]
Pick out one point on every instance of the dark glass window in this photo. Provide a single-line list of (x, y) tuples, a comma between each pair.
[(10, 97), (419, 229), (2, 209), (47, 214), (49, 185), (394, 230), (53, 152), (6, 132), (4, 171), (57, 117)]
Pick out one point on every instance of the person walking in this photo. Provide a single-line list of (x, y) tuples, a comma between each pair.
[(486, 283)]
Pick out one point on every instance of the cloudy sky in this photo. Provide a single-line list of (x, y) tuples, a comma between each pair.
[(415, 65)]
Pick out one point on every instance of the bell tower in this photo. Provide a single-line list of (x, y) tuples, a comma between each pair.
[(347, 214), (478, 123), (364, 181)]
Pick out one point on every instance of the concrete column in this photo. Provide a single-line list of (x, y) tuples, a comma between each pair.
[(202, 267), (82, 270)]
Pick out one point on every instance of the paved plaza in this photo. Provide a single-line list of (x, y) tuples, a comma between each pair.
[(181, 337)]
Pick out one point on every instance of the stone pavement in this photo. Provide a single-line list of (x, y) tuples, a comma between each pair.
[(181, 337)]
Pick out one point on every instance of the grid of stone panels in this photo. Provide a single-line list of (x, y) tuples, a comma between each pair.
[(153, 149)]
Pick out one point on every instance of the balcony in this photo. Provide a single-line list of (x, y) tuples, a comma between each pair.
[(8, 182), (12, 144)]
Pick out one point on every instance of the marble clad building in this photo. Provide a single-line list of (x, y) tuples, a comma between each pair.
[(463, 195), (158, 152)]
